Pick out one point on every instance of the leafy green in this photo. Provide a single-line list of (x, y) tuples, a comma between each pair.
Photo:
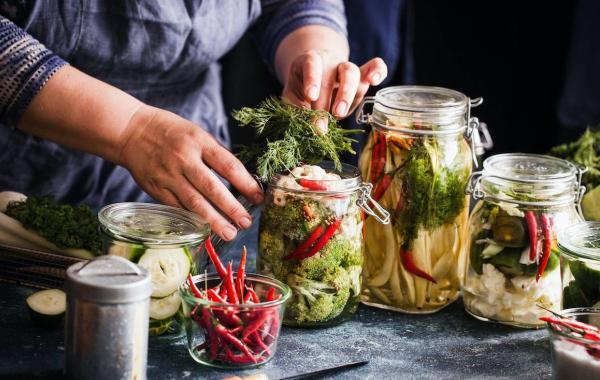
[(585, 151), (434, 195), (285, 137), (66, 226)]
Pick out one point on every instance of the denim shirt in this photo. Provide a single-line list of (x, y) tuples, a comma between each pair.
[(164, 53)]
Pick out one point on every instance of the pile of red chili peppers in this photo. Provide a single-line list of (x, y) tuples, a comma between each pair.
[(577, 329), (234, 334), (534, 232)]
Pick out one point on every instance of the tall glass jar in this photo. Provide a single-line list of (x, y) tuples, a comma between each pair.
[(579, 247), (513, 265), (311, 239), (164, 240), (419, 158)]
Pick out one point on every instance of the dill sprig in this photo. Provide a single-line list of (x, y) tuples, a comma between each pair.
[(286, 137)]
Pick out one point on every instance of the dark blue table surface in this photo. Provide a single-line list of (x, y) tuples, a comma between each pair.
[(447, 345)]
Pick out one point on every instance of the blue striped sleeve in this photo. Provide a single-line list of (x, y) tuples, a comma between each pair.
[(281, 17), (25, 67)]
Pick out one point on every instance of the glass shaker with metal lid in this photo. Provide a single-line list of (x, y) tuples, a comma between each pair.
[(419, 156), (164, 240), (513, 261), (106, 324)]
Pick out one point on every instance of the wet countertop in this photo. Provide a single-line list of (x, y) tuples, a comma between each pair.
[(447, 345)]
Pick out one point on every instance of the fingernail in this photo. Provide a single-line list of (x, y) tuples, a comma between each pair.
[(375, 78), (245, 222), (229, 233), (313, 92), (341, 108), (321, 125)]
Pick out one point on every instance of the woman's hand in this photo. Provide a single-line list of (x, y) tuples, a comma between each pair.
[(171, 159), (322, 81), (321, 77)]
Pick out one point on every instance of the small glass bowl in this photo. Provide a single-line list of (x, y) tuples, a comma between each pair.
[(574, 357), (209, 346)]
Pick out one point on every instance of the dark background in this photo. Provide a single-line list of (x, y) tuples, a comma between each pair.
[(512, 53)]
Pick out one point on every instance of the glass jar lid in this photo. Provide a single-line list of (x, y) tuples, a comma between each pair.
[(153, 223), (581, 240), (528, 179), (421, 108)]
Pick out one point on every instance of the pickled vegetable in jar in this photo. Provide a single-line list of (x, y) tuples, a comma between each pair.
[(311, 239), (162, 239), (579, 247), (419, 159), (513, 262)]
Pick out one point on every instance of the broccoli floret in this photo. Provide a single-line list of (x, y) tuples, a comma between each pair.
[(319, 301), (292, 220), (324, 261), (272, 251)]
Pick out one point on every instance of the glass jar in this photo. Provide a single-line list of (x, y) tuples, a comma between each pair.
[(166, 241), (579, 247), (311, 240), (513, 262), (419, 157), (575, 356)]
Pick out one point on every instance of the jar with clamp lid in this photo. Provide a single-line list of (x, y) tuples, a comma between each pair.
[(419, 156), (513, 263)]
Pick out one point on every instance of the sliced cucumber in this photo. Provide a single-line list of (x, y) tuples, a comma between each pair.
[(161, 308), (131, 252), (168, 269), (47, 307)]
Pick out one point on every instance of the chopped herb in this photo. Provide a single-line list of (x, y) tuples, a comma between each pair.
[(285, 137), (585, 151), (64, 225), (435, 196)]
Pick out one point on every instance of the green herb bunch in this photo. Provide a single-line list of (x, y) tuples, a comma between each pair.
[(434, 195), (64, 225), (286, 137), (585, 151)]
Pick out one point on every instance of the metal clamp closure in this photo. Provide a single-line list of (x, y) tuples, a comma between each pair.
[(365, 201), (361, 116)]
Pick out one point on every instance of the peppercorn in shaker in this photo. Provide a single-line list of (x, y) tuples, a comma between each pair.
[(107, 319)]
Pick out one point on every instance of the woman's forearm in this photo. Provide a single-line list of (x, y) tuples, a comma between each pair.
[(81, 112), (321, 39)]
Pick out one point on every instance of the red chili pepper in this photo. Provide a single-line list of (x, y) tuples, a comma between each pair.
[(212, 254), (317, 232), (256, 323), (231, 293), (255, 298), (223, 290), (228, 337), (409, 264), (260, 343), (194, 289), (533, 234), (271, 294), (574, 325), (382, 186), (378, 157), (214, 340), (236, 330), (215, 297), (248, 298), (323, 240), (547, 247), (241, 274), (311, 184)]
